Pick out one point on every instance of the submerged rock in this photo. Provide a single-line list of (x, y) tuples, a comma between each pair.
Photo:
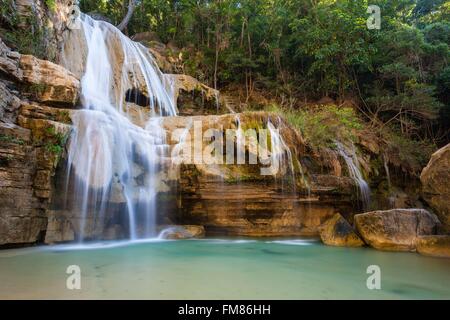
[(338, 232), (183, 232), (397, 229), (435, 180), (435, 246)]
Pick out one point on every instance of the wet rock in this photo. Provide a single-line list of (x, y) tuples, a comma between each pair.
[(338, 232), (434, 246), (238, 200), (74, 51), (58, 229), (183, 232), (397, 229), (435, 180), (113, 232)]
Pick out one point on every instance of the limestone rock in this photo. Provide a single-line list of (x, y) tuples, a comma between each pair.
[(21, 229), (435, 180), (338, 232), (49, 82), (183, 232), (397, 229), (435, 246), (188, 90), (58, 230), (74, 52)]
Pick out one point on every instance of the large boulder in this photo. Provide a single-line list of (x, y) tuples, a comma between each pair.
[(434, 246), (435, 180), (397, 229), (338, 232)]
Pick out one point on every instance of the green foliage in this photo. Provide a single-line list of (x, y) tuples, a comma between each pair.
[(51, 4), (30, 41), (321, 126), (11, 139), (55, 141), (411, 155), (300, 50)]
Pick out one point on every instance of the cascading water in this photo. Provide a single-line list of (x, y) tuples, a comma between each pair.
[(111, 159), (280, 153), (355, 173)]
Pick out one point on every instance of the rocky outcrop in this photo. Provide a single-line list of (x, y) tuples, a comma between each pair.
[(238, 200), (49, 82), (338, 232), (194, 97), (32, 137), (434, 246), (435, 180), (37, 25), (395, 230), (183, 232)]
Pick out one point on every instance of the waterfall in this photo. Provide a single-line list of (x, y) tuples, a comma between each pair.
[(281, 154), (355, 173), (112, 159)]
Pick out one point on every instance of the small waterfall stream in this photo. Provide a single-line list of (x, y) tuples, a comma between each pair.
[(111, 159), (355, 173)]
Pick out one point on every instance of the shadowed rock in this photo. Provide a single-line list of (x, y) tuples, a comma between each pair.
[(338, 232)]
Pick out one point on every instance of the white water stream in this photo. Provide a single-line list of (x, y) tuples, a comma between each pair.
[(355, 173)]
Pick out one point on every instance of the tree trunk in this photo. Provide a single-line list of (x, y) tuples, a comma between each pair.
[(126, 20)]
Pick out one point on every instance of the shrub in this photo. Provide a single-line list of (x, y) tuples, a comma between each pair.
[(321, 126)]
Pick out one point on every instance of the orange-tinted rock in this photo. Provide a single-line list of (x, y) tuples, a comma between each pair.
[(434, 246), (397, 229), (338, 232), (435, 180)]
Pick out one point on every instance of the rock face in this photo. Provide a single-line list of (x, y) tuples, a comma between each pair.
[(395, 230), (194, 97), (31, 140), (435, 180), (49, 82), (183, 232), (338, 232), (238, 200), (434, 246)]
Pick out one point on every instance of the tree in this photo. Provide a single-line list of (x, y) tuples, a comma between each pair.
[(127, 18)]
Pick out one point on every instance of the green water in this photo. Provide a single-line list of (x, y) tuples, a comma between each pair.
[(220, 269)]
